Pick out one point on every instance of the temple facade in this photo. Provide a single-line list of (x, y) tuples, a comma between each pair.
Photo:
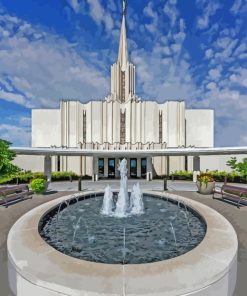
[(121, 121)]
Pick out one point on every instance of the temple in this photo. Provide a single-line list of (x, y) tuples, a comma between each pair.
[(121, 121)]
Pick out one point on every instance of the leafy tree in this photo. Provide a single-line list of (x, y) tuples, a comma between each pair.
[(6, 156), (240, 167)]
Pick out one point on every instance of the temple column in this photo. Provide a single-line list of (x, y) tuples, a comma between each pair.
[(196, 167), (47, 168), (149, 169), (167, 165), (106, 167), (95, 175), (139, 167)]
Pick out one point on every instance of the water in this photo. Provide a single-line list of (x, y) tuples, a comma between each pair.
[(153, 228), (174, 235), (108, 203), (76, 227), (133, 239), (125, 205)]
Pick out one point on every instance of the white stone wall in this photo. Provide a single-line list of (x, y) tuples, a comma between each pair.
[(46, 127), (30, 162), (218, 162), (199, 128), (64, 127)]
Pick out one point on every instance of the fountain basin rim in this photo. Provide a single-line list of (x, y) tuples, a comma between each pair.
[(27, 250)]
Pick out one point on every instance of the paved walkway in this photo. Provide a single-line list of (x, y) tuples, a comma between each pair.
[(153, 185), (238, 218), (100, 185), (8, 216)]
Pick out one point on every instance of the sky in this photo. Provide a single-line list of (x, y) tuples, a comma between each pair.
[(191, 50)]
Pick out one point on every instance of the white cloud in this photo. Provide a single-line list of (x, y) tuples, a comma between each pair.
[(209, 9), (215, 74), (241, 48), (25, 121), (227, 51), (236, 6), (230, 106), (46, 69), (171, 11), (99, 15), (12, 97), (148, 11), (211, 85), (20, 135), (209, 53), (239, 77), (111, 5), (171, 76), (96, 11), (74, 4)]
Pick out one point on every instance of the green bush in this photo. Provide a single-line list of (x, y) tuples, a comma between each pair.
[(182, 175), (38, 185), (218, 176), (63, 176)]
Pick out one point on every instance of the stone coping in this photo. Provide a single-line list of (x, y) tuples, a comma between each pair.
[(43, 266)]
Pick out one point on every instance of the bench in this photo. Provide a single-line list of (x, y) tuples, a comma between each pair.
[(232, 193), (14, 193)]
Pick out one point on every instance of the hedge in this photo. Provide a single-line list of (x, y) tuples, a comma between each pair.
[(219, 176), (28, 176)]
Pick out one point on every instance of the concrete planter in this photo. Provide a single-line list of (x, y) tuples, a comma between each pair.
[(204, 188)]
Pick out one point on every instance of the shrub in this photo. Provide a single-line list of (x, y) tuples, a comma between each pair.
[(63, 176), (182, 175), (38, 185)]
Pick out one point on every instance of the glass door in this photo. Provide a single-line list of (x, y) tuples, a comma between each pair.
[(101, 167), (111, 167), (133, 168), (143, 167)]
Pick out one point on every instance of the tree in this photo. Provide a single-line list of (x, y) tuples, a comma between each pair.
[(6, 156), (240, 167)]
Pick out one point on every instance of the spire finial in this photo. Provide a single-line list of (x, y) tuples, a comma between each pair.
[(124, 7)]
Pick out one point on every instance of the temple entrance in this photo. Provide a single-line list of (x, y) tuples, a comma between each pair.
[(101, 167), (133, 168), (143, 168), (111, 168)]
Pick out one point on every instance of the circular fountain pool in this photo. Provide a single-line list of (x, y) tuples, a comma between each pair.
[(165, 230), (37, 268)]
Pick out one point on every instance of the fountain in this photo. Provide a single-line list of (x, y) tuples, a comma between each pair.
[(108, 203), (112, 246), (125, 205)]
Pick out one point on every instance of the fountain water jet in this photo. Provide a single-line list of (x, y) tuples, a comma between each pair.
[(136, 202), (125, 205), (108, 203)]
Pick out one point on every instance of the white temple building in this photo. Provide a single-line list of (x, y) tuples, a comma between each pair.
[(122, 121)]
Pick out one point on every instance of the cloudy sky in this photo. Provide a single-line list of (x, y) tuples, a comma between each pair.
[(195, 50)]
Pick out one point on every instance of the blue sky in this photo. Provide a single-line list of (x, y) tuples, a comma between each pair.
[(191, 50)]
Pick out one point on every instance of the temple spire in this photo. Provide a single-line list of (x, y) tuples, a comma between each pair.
[(124, 7), (123, 46)]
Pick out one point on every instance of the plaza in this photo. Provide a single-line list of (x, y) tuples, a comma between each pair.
[(187, 189)]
